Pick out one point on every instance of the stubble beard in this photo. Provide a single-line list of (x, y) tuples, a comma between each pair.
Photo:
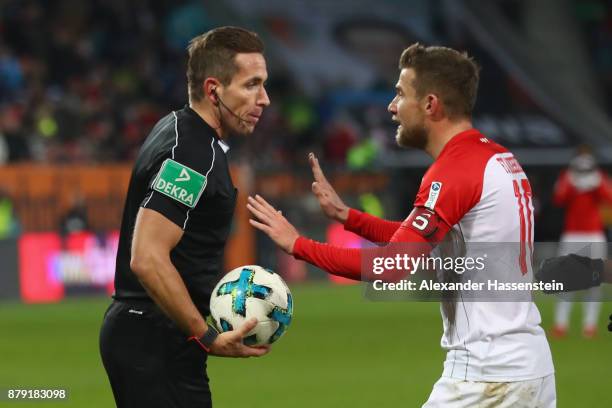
[(414, 136)]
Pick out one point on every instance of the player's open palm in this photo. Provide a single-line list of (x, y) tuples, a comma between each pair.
[(229, 344), (272, 222), (330, 202)]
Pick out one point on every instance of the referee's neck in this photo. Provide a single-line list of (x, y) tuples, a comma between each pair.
[(208, 114)]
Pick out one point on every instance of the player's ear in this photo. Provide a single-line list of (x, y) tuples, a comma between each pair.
[(432, 105)]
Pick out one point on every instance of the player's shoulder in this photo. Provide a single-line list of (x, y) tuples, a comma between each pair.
[(467, 154), (454, 182), (473, 145)]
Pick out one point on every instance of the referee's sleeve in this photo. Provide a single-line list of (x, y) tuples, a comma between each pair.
[(181, 180)]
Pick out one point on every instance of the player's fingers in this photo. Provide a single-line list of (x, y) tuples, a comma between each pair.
[(260, 226), (263, 202), (258, 213), (319, 191), (261, 207), (317, 173)]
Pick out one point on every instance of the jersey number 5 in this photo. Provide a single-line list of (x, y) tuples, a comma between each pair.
[(421, 222)]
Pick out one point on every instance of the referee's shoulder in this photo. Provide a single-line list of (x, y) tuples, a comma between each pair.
[(195, 142), (182, 129), (164, 125)]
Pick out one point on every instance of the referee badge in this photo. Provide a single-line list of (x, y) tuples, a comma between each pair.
[(180, 183)]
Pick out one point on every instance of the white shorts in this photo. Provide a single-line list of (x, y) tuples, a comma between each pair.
[(591, 245), (453, 393)]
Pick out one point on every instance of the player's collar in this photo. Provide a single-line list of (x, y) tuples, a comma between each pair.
[(458, 138)]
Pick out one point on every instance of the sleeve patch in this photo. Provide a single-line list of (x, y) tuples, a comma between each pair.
[(434, 193), (180, 183)]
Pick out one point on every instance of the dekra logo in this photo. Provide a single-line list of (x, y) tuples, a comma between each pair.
[(174, 190), (180, 182)]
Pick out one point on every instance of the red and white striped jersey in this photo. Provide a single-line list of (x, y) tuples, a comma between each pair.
[(479, 188)]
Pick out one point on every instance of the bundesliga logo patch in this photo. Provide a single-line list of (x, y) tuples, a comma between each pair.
[(180, 183), (434, 192)]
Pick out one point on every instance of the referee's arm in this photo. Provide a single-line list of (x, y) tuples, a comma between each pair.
[(154, 237)]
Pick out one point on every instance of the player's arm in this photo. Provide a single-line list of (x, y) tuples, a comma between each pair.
[(575, 272), (367, 226), (604, 190), (562, 190), (154, 237), (420, 232)]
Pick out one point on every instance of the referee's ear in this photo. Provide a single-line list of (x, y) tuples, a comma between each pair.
[(210, 90)]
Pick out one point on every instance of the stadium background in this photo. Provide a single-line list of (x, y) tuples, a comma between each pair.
[(82, 83)]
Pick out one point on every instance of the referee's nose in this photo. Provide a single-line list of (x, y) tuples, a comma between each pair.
[(262, 98)]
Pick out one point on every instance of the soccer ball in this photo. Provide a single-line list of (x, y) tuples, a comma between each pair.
[(252, 291)]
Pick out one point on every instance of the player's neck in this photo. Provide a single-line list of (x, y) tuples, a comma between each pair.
[(440, 133), (209, 114)]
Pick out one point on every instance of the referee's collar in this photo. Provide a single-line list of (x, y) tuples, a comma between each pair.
[(224, 146)]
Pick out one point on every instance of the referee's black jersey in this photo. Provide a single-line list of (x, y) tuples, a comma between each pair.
[(181, 172)]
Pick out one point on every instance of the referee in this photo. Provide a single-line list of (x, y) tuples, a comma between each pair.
[(154, 340)]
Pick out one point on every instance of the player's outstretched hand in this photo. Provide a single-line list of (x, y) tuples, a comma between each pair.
[(330, 202), (574, 271), (229, 344), (272, 222)]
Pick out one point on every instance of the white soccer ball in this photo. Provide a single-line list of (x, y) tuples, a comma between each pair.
[(252, 291)]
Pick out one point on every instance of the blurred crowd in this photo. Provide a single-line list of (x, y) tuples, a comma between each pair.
[(595, 19), (84, 82)]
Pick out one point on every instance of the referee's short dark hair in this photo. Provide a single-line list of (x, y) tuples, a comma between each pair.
[(212, 55)]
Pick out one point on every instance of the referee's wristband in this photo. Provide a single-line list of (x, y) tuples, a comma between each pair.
[(207, 339)]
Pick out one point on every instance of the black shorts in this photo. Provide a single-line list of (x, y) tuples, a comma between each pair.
[(149, 361)]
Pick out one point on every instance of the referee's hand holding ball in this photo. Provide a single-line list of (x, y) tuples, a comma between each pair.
[(229, 344)]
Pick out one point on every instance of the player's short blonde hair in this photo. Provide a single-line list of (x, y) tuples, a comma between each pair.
[(451, 75)]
